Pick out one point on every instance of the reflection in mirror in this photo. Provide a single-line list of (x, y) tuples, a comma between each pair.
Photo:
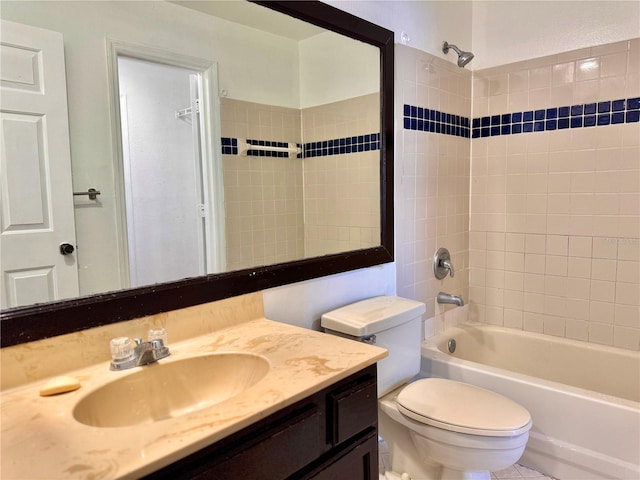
[(191, 40), (216, 145)]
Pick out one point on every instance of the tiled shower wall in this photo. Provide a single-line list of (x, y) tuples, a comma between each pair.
[(555, 212), (431, 180), (341, 187), (282, 208), (263, 195)]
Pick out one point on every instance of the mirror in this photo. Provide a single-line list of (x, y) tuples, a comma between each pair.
[(309, 260)]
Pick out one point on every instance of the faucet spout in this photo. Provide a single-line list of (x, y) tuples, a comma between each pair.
[(448, 298), (149, 352), (143, 353)]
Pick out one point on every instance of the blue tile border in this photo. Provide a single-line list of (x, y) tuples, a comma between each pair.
[(435, 121), (336, 146), (342, 146), (229, 146), (610, 112)]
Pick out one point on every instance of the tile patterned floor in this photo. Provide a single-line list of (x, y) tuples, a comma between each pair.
[(515, 472), (519, 472)]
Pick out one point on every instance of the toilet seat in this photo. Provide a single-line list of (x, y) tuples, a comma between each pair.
[(463, 408)]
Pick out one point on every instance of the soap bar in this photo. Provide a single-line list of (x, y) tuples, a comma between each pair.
[(59, 385)]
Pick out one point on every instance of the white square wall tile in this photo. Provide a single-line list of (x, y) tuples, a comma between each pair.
[(627, 316), (628, 272), (603, 269), (601, 333), (577, 329), (603, 291), (605, 247), (627, 293), (580, 246), (601, 312), (557, 245), (579, 267), (624, 337), (535, 244)]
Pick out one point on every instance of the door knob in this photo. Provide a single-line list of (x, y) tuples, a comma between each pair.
[(66, 249)]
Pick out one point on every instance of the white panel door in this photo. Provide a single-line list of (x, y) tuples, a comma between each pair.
[(36, 197)]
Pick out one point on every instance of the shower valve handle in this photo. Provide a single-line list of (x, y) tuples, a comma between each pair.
[(442, 265), (447, 264)]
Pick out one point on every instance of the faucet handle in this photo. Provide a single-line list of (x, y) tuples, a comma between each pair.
[(158, 334), (447, 264), (442, 265), (121, 348)]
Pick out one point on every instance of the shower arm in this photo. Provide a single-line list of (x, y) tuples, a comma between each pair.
[(446, 46)]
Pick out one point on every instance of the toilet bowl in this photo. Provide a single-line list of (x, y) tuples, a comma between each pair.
[(465, 430), (435, 428)]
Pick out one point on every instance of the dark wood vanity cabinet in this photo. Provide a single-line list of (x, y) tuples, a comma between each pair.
[(331, 435)]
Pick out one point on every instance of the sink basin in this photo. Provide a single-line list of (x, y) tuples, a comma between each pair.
[(160, 391)]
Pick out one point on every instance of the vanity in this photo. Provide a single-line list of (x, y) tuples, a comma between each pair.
[(329, 435), (302, 403)]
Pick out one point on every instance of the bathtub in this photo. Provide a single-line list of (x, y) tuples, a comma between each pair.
[(584, 399)]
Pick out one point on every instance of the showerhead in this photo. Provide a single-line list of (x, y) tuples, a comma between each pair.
[(463, 57)]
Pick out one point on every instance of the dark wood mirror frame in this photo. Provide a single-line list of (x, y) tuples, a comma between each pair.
[(36, 322)]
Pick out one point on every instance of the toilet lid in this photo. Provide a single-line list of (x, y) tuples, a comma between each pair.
[(463, 408)]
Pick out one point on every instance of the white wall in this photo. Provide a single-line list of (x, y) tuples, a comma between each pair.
[(511, 31), (426, 23), (302, 304), (500, 32), (326, 77)]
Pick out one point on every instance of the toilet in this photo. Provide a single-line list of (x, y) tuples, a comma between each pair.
[(434, 428)]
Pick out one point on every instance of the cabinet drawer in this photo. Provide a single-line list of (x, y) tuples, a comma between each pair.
[(352, 410)]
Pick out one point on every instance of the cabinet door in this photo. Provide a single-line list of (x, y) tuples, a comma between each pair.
[(353, 409), (271, 452), (360, 462)]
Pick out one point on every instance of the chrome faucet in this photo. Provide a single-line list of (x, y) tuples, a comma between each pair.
[(128, 354), (448, 298)]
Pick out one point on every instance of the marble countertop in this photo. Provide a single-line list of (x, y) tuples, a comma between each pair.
[(42, 440)]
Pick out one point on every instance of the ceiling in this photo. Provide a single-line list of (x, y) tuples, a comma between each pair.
[(254, 16)]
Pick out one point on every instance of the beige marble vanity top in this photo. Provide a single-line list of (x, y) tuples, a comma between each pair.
[(42, 440)]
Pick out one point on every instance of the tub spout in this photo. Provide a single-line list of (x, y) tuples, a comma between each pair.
[(448, 298)]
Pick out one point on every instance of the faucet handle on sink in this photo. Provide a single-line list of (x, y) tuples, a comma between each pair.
[(122, 353), (121, 348), (158, 334)]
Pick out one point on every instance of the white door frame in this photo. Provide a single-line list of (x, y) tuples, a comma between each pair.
[(210, 146)]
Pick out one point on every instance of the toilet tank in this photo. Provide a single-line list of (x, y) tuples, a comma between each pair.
[(389, 322)]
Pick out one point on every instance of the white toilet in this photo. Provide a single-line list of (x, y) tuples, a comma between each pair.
[(435, 428)]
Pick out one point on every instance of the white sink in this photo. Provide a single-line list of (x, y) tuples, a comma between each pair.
[(160, 391)]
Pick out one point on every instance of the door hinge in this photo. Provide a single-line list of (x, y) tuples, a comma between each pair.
[(202, 211)]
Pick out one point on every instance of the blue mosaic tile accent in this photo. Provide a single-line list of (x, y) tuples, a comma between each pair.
[(343, 146), (338, 146), (434, 121), (229, 146), (610, 112)]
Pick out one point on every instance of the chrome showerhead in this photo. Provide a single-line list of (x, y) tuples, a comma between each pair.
[(463, 57)]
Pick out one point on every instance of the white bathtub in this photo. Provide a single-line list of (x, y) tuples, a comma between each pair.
[(584, 399)]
